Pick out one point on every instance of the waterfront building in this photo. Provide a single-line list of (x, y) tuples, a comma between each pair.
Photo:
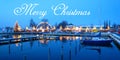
[(43, 26), (53, 29)]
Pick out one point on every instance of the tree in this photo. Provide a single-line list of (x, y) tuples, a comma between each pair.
[(44, 20), (7, 29), (106, 23), (114, 25), (17, 28), (109, 23), (70, 24), (56, 25), (63, 24), (118, 26), (32, 23)]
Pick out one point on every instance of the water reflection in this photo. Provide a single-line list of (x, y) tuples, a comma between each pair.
[(95, 49), (66, 48), (44, 43), (70, 57), (68, 38), (62, 52), (49, 53), (9, 48), (118, 45), (18, 40)]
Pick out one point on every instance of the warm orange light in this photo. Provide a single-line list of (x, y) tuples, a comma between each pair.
[(101, 28), (77, 28), (47, 27), (43, 30), (80, 28), (54, 27), (67, 28), (19, 29), (74, 28), (27, 28), (37, 30), (33, 28), (61, 28), (94, 27), (40, 28), (17, 36), (87, 29), (61, 37), (108, 28)]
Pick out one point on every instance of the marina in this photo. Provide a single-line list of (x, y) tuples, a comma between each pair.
[(64, 48), (45, 42), (60, 45), (54, 36), (59, 30)]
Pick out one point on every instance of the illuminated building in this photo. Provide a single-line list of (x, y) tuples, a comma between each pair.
[(43, 26)]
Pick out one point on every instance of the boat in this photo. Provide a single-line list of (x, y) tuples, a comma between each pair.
[(97, 40)]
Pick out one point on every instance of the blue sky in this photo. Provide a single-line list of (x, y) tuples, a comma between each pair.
[(100, 10)]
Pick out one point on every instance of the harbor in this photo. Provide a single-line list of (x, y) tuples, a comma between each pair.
[(53, 36), (68, 43), (60, 30), (64, 48), (64, 43)]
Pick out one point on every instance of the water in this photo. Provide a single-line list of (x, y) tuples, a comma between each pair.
[(67, 48)]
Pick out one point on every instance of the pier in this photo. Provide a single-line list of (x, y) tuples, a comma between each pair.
[(13, 33), (49, 36), (69, 34), (41, 36), (24, 39), (116, 38)]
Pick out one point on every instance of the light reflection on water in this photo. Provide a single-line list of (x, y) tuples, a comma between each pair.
[(66, 48)]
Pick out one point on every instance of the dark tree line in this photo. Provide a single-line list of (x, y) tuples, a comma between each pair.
[(106, 23), (32, 23), (63, 24)]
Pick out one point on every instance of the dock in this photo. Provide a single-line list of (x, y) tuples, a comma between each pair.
[(13, 33), (23, 39), (116, 38), (50, 34), (41, 36), (65, 34)]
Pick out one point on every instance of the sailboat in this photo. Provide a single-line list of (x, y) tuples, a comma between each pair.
[(97, 40)]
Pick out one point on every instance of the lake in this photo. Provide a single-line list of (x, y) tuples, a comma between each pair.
[(66, 48)]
